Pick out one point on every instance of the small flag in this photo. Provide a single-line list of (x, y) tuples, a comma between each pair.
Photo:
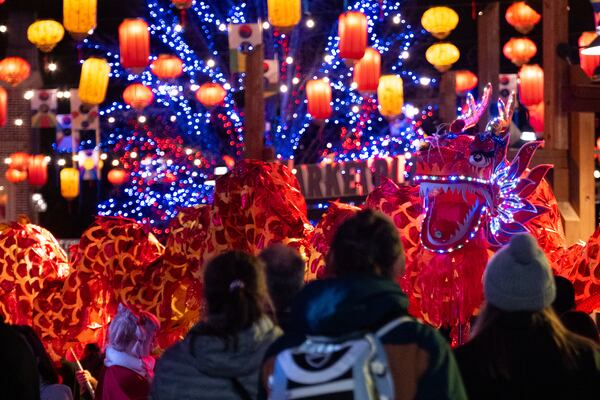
[(43, 107)]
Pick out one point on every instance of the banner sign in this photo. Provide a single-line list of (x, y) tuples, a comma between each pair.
[(349, 179)]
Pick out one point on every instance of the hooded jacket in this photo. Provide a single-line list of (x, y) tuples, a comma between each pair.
[(203, 366), (421, 362)]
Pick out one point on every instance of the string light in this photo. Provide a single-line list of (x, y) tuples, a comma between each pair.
[(310, 23)]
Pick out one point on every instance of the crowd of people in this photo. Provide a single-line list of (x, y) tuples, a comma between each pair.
[(266, 335)]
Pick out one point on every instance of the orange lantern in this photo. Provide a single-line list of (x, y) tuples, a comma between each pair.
[(519, 50), (138, 96), (14, 70), (465, 81), (531, 84), (37, 173), (134, 43), (117, 176), (69, 183), (45, 34), (536, 117), (93, 81), (15, 176), (167, 67), (588, 63), (442, 55), (318, 94), (211, 94), (390, 95), (19, 161), (182, 4), (522, 17), (79, 17), (3, 102), (367, 71), (352, 31)]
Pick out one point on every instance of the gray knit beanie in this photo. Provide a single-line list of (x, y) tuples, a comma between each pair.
[(518, 277)]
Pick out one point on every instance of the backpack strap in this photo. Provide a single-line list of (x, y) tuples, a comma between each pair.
[(393, 324)]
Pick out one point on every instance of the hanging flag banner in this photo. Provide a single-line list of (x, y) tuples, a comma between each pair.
[(89, 164), (242, 38), (66, 138), (84, 117), (348, 179), (43, 108), (271, 74)]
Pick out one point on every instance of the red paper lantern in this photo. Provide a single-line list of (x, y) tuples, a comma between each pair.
[(134, 43), (3, 107), (522, 17), (536, 117), (465, 81), (37, 173), (138, 96), (167, 67), (352, 31), (531, 84), (519, 50), (588, 63), (19, 161), (367, 71), (15, 176), (182, 4), (318, 94), (117, 176), (211, 94), (14, 70)]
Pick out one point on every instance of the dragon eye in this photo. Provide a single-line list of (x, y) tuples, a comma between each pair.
[(479, 160)]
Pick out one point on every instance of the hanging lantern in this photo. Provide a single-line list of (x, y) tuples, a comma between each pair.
[(138, 96), (3, 106), (117, 176), (211, 94), (587, 62), (531, 85), (318, 94), (390, 94), (352, 31), (14, 70), (134, 44), (167, 67), (15, 176), (45, 34), (439, 21), (442, 56), (19, 161), (367, 71), (182, 4), (69, 183), (519, 50), (465, 81), (37, 172), (536, 117), (93, 81), (79, 17), (284, 14), (522, 17)]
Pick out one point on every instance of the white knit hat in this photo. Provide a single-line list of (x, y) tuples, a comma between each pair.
[(518, 277)]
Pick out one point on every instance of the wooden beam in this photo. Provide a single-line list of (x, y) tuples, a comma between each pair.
[(254, 104), (488, 50), (447, 98)]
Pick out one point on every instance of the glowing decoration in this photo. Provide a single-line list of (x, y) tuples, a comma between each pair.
[(519, 50), (352, 31), (3, 106), (367, 71), (79, 17), (465, 81), (134, 44), (15, 176), (588, 63), (522, 17), (442, 56), (318, 94), (284, 14), (14, 70), (93, 81), (531, 85), (390, 94), (37, 172), (536, 117), (167, 67), (439, 21), (182, 4), (138, 96), (69, 183), (19, 161), (211, 94), (45, 34), (117, 176)]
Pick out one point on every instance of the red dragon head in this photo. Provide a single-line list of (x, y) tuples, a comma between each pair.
[(468, 185)]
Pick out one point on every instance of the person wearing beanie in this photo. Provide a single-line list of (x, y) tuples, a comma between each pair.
[(519, 349)]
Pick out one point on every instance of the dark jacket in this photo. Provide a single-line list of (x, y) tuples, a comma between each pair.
[(536, 371), (18, 370), (422, 364), (203, 367)]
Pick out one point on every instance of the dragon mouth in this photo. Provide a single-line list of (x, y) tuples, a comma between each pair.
[(454, 213)]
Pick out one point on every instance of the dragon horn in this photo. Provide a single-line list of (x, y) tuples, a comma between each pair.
[(501, 123), (471, 116)]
